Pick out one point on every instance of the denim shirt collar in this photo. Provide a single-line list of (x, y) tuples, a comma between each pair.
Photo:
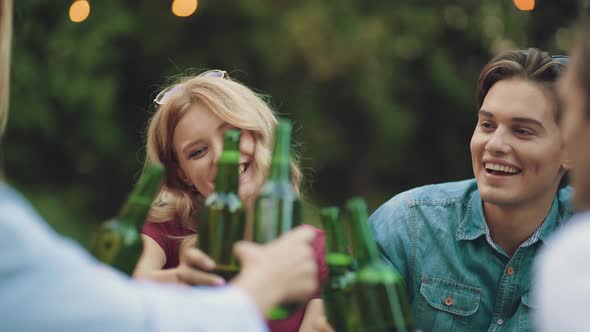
[(473, 224)]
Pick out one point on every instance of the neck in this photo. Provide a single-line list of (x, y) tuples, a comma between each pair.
[(510, 226)]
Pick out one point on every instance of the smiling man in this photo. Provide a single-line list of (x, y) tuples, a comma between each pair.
[(465, 249)]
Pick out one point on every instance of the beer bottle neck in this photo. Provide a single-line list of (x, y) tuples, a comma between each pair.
[(364, 246), (139, 201), (227, 178), (335, 239), (280, 168)]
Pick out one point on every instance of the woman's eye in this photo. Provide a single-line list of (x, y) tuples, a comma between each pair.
[(198, 152)]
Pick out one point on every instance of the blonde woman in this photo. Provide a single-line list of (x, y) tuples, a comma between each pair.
[(186, 135)]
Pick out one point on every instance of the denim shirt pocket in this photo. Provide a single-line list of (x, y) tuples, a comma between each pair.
[(525, 312), (445, 305)]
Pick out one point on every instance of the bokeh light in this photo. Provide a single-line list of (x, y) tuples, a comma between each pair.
[(184, 8), (525, 4), (79, 10)]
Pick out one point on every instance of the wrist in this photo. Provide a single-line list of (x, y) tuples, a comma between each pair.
[(265, 294)]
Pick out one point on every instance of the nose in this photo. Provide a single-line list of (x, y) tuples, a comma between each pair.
[(498, 142), (216, 149)]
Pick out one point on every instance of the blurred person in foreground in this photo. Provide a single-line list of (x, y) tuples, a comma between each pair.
[(49, 283), (563, 269)]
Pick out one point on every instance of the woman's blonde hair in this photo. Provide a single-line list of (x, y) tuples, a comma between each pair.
[(231, 101), (5, 38)]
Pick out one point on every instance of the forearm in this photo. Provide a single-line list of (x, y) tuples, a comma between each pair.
[(265, 297)]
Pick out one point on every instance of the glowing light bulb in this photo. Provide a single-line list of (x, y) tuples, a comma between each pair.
[(525, 5), (79, 10), (184, 8)]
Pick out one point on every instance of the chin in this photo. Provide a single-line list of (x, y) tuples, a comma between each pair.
[(498, 197)]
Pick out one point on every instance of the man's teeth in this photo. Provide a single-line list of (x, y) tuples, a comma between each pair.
[(242, 168), (501, 168)]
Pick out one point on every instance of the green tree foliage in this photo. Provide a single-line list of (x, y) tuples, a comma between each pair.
[(382, 92)]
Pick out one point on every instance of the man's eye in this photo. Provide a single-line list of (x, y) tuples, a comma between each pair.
[(486, 125), (523, 132), (198, 152)]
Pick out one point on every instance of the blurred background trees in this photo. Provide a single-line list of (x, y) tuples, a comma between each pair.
[(382, 92)]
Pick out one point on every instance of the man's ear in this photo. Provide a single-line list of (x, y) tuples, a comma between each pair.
[(567, 163)]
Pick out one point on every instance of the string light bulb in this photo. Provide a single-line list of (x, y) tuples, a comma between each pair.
[(525, 5), (184, 8), (79, 10)]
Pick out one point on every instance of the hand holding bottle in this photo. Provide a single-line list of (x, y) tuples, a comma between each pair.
[(282, 270)]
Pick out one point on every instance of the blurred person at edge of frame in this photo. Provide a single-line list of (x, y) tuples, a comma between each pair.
[(562, 270), (465, 249), (49, 283), (185, 134)]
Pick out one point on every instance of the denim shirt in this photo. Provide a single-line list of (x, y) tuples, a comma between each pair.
[(457, 279)]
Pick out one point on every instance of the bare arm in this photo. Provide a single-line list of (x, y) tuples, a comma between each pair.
[(152, 261)]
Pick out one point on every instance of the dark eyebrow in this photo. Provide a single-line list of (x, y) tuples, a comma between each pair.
[(530, 121), (485, 113)]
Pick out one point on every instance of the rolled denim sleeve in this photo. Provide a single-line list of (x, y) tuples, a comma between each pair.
[(392, 229), (49, 283)]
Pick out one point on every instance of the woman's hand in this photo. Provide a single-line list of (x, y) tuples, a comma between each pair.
[(193, 268)]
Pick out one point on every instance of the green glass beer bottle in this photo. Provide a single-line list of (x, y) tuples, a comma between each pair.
[(277, 208), (336, 290), (222, 217), (378, 291), (118, 241)]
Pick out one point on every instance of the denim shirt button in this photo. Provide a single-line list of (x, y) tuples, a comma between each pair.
[(500, 321), (449, 301), (510, 270)]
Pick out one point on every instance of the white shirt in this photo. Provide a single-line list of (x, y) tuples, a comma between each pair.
[(48, 283), (562, 282)]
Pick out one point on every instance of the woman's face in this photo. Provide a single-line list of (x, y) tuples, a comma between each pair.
[(516, 149), (198, 143)]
